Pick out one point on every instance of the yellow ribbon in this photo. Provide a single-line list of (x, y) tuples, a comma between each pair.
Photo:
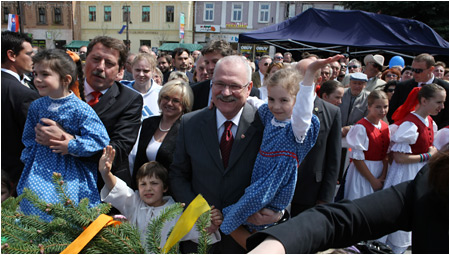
[(187, 220), (90, 232)]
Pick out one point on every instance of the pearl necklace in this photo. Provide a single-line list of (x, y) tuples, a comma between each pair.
[(163, 130)]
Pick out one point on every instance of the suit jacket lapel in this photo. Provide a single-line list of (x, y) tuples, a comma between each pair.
[(107, 100), (243, 136), (210, 138)]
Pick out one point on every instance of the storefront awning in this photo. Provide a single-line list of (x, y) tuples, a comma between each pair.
[(171, 46), (76, 44)]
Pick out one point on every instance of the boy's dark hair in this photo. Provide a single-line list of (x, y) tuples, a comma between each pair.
[(113, 43), (153, 168), (58, 61), (178, 51), (12, 41)]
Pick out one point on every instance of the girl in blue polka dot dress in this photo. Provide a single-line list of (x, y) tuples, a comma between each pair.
[(55, 71), (290, 132)]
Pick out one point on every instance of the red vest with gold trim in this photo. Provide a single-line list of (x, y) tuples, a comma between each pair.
[(378, 140), (426, 134)]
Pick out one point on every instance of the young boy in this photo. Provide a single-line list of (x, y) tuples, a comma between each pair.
[(141, 206)]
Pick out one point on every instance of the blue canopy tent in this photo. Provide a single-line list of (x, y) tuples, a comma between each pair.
[(332, 30)]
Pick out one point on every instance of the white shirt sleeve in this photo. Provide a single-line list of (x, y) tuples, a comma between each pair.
[(122, 197), (441, 138), (405, 135), (302, 112), (357, 140), (255, 102)]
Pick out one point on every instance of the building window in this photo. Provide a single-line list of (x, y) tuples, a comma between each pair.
[(92, 13), (145, 13), (264, 10), (107, 13), (338, 7), (5, 14), (209, 12), (58, 18), (146, 42), (39, 43), (236, 14), (126, 12), (306, 7), (291, 10), (170, 10), (42, 19)]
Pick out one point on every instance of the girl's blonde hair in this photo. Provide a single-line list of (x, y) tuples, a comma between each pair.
[(288, 79)]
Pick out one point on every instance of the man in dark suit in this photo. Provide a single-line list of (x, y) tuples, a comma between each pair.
[(318, 172), (199, 162), (16, 98), (422, 67), (180, 62), (212, 53), (119, 107)]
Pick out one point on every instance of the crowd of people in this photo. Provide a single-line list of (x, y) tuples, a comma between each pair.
[(264, 142)]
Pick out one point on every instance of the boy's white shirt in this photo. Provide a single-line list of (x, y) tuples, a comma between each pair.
[(139, 214), (302, 112)]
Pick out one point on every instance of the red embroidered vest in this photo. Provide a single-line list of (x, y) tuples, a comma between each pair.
[(426, 134), (378, 140)]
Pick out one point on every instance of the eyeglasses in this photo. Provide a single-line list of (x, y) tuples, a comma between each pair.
[(391, 75), (390, 90), (351, 67), (278, 57), (343, 66), (175, 101), (266, 64), (414, 70), (231, 87)]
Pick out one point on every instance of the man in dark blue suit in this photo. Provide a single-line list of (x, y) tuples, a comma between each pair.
[(318, 172), (422, 68), (16, 98)]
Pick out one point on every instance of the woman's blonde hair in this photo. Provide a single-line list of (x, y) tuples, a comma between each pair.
[(178, 87)]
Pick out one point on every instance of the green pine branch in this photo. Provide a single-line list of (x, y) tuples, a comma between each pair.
[(29, 234)]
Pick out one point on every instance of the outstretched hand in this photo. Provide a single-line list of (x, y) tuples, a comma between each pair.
[(106, 160), (315, 66)]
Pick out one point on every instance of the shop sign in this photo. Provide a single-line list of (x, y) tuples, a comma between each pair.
[(239, 25), (207, 28)]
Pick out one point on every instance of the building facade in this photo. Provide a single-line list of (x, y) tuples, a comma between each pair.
[(226, 20), (149, 23), (48, 23)]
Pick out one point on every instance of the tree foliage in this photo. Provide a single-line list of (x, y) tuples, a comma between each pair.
[(432, 13), (30, 234)]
